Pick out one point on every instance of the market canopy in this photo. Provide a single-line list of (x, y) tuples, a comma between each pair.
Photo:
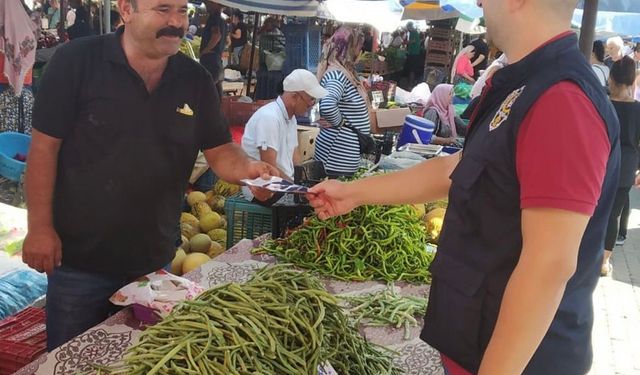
[(299, 8), (429, 10), (384, 15)]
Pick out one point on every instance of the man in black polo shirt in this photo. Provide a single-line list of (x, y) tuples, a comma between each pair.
[(118, 122)]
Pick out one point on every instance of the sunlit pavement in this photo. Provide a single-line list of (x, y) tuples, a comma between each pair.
[(616, 334)]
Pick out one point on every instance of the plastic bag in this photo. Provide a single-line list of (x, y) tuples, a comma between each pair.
[(274, 60), (19, 289)]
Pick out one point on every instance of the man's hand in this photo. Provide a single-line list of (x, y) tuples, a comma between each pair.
[(265, 170), (42, 250), (637, 183), (331, 198)]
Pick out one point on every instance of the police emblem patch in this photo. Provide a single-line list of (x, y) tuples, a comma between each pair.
[(505, 109)]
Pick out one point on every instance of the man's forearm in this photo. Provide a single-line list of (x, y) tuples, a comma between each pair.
[(529, 304), (479, 60), (229, 162), (551, 241), (427, 181), (40, 179)]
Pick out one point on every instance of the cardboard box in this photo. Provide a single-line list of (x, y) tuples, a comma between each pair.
[(391, 118), (307, 141)]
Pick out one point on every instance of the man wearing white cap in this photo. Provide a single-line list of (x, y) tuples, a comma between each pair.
[(271, 133)]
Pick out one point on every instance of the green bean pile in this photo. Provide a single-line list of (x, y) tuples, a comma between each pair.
[(371, 243), (280, 322), (386, 308)]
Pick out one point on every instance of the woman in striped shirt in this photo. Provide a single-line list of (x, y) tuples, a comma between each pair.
[(347, 104)]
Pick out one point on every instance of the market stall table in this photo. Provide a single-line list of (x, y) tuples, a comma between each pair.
[(106, 343)]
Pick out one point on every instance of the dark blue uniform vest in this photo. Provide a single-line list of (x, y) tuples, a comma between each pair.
[(481, 240)]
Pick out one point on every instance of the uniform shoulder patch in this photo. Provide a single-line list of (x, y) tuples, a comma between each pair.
[(505, 109)]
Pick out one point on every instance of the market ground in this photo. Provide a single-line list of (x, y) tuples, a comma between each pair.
[(616, 334)]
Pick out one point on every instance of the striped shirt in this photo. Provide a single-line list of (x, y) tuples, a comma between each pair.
[(337, 148)]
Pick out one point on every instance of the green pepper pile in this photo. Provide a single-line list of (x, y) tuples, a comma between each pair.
[(370, 243), (280, 322)]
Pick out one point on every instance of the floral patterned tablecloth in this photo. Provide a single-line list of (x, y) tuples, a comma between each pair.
[(106, 343)]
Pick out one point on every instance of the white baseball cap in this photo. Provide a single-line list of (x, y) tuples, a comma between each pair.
[(304, 80)]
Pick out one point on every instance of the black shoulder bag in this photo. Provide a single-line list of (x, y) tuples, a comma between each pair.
[(366, 142)]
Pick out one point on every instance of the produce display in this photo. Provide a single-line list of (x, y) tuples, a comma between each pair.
[(434, 218), (203, 229), (370, 243), (386, 308), (280, 322)]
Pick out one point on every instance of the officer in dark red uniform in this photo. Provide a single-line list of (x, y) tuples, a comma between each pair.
[(529, 196)]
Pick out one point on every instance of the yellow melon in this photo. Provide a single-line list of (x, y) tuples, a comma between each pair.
[(195, 197), (193, 261)]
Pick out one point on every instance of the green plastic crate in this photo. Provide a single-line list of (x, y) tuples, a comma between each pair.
[(245, 219)]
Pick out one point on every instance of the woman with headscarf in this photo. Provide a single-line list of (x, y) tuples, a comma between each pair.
[(439, 109), (347, 104), (18, 41), (462, 70)]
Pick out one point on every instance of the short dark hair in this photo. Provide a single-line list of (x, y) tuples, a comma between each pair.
[(239, 15), (637, 48), (598, 50), (623, 71)]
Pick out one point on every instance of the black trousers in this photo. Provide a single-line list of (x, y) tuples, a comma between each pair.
[(213, 64), (622, 196), (624, 220)]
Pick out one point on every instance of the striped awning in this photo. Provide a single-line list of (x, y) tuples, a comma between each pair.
[(299, 8)]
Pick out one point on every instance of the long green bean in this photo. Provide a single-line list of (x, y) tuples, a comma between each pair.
[(280, 322), (386, 308)]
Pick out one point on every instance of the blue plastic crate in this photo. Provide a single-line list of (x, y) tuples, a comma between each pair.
[(12, 143), (302, 46)]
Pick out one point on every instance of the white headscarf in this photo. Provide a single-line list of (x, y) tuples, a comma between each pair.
[(17, 42)]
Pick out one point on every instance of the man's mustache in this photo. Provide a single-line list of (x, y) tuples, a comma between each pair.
[(170, 31)]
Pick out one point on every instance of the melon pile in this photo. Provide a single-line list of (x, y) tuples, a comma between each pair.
[(203, 229), (433, 216)]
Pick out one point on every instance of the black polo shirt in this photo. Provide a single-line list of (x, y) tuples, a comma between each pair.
[(126, 154)]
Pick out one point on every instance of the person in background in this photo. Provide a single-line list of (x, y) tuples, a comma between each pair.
[(81, 26), (214, 35), (191, 32), (481, 60), (621, 84), (462, 71), (637, 91), (116, 20), (597, 63), (347, 103), (124, 115), (636, 55), (271, 134), (413, 64), (615, 46), (367, 46), (16, 98), (439, 109), (238, 37), (397, 41), (521, 245), (53, 13), (496, 65)]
